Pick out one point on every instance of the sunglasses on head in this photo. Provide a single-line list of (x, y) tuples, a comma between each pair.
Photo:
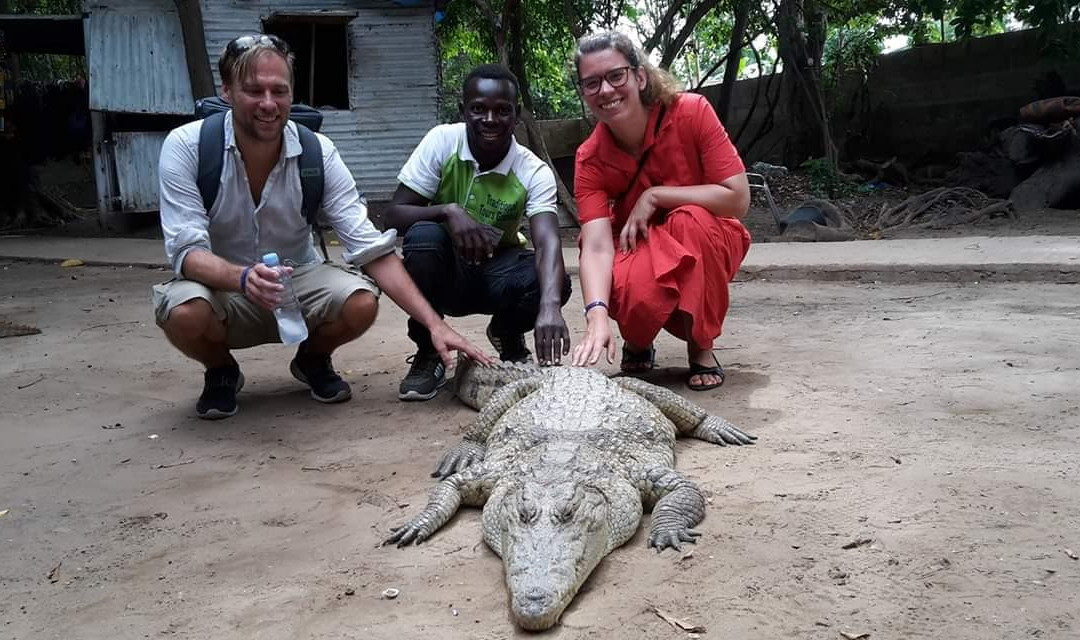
[(239, 45), (616, 77)]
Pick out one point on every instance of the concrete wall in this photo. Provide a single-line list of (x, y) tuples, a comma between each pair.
[(951, 97)]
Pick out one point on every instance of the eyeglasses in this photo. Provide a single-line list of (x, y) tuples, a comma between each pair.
[(616, 77), (239, 45)]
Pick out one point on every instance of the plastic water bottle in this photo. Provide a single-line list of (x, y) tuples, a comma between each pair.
[(290, 318)]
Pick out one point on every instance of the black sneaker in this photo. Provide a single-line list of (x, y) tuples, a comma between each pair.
[(425, 376), (220, 386), (511, 349), (316, 371)]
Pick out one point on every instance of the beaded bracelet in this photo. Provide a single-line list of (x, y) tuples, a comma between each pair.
[(243, 278), (594, 304)]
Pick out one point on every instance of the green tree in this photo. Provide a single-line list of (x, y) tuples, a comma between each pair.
[(44, 66)]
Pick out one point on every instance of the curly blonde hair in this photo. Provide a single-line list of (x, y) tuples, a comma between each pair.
[(661, 86)]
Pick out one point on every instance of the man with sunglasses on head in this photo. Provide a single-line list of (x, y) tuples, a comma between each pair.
[(223, 297), (460, 202)]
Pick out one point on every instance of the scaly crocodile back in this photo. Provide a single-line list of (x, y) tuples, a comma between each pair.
[(474, 384)]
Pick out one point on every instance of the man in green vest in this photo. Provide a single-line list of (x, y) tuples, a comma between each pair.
[(459, 205)]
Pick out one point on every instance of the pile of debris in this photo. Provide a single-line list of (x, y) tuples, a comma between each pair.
[(1036, 163)]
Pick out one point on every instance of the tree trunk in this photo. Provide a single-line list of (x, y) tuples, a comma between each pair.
[(573, 20), (734, 56), (673, 48), (198, 62), (498, 22), (810, 135), (663, 26), (514, 19)]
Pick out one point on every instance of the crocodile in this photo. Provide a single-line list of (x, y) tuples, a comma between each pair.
[(564, 460)]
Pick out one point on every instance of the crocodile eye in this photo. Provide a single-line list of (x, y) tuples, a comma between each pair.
[(527, 512), (566, 512)]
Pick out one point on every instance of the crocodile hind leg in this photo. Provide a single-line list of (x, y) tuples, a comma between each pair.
[(472, 487), (472, 449), (677, 507), (690, 419)]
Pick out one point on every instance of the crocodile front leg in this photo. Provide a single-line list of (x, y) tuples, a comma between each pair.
[(679, 506), (472, 449), (690, 419), (471, 487)]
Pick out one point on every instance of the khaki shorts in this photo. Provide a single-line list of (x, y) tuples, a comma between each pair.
[(321, 288)]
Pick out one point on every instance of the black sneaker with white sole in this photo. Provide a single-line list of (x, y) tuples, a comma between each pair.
[(425, 376), (218, 398), (510, 348), (317, 371)]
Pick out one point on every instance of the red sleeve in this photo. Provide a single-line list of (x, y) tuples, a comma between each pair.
[(719, 157), (592, 199)]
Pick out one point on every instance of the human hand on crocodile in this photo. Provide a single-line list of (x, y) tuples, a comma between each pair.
[(598, 339), (446, 340), (552, 338)]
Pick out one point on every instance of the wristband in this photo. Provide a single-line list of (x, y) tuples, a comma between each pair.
[(594, 304), (243, 278)]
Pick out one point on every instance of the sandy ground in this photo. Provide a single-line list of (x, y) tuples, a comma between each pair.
[(934, 427)]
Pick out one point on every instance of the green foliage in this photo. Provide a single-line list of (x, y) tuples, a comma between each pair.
[(42, 7), (551, 82), (857, 30), (851, 47), (973, 18), (825, 181), (710, 41), (465, 44), (48, 67), (466, 41)]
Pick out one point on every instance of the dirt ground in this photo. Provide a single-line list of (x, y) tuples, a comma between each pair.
[(931, 428)]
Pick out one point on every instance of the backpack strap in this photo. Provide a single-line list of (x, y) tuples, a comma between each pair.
[(312, 182), (644, 156), (311, 173), (211, 152)]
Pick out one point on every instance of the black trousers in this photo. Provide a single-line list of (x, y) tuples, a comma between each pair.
[(505, 286)]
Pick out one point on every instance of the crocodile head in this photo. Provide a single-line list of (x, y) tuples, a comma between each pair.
[(554, 532)]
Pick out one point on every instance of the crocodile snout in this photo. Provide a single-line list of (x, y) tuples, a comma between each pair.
[(536, 608)]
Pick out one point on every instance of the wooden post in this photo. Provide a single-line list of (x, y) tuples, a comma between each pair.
[(102, 174), (311, 70), (198, 62)]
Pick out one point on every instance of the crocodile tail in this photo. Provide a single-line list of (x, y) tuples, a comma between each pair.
[(474, 383)]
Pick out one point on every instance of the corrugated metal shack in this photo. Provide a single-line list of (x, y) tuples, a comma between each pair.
[(370, 66)]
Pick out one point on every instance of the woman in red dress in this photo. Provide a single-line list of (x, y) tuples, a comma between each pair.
[(660, 180)]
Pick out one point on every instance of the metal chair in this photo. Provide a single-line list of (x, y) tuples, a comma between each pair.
[(759, 183)]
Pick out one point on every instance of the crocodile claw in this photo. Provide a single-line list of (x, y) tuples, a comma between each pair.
[(412, 533), (661, 539), (463, 455), (719, 431)]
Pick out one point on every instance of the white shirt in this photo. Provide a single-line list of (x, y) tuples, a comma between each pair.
[(237, 230), (426, 169)]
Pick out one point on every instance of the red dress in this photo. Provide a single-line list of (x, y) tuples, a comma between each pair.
[(690, 257)]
